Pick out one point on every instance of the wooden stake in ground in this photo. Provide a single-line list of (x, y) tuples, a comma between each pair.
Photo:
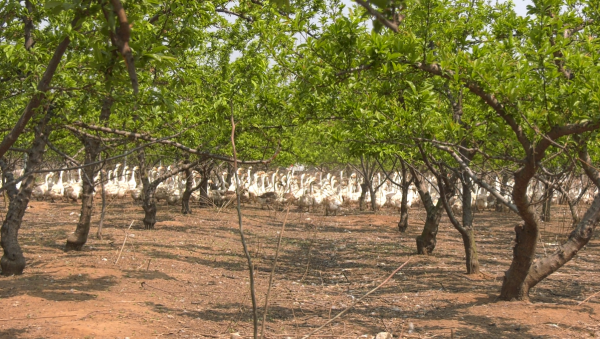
[(357, 301), (264, 321), (124, 241)]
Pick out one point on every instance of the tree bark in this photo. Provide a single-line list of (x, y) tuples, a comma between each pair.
[(428, 239), (373, 198), (11, 190), (204, 199), (580, 236), (526, 238), (13, 261), (149, 204), (405, 184), (28, 23), (467, 231), (77, 239), (499, 205), (547, 203), (364, 187), (185, 198), (149, 189), (103, 210)]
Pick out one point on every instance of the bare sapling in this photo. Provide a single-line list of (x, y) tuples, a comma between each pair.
[(264, 320), (241, 228)]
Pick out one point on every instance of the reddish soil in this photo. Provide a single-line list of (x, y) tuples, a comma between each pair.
[(188, 278)]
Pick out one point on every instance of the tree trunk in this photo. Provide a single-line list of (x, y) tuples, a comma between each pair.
[(403, 223), (364, 187), (580, 236), (77, 239), (526, 238), (149, 189), (229, 177), (149, 205), (573, 209), (10, 191), (536, 272), (547, 203), (204, 200), (468, 232), (185, 199), (499, 205), (404, 185), (373, 198), (103, 211), (13, 261), (427, 240)]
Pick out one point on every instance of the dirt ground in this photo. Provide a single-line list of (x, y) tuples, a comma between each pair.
[(188, 278)]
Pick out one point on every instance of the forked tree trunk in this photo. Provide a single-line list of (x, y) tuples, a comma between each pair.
[(149, 189), (13, 261), (512, 288)]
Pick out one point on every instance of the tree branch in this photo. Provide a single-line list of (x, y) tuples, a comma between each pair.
[(378, 16), (182, 147), (239, 15), (42, 88)]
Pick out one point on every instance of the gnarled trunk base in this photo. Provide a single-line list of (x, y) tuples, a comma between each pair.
[(472, 259), (403, 223), (513, 286), (13, 261), (76, 240), (149, 212)]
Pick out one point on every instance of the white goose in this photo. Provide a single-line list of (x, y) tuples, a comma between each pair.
[(39, 192), (74, 191), (57, 191)]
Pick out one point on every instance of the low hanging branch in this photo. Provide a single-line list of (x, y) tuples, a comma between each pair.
[(481, 183), (182, 147)]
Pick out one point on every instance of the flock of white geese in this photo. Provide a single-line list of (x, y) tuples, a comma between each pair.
[(307, 190)]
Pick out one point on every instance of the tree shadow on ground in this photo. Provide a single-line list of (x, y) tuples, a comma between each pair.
[(73, 288), (14, 333)]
